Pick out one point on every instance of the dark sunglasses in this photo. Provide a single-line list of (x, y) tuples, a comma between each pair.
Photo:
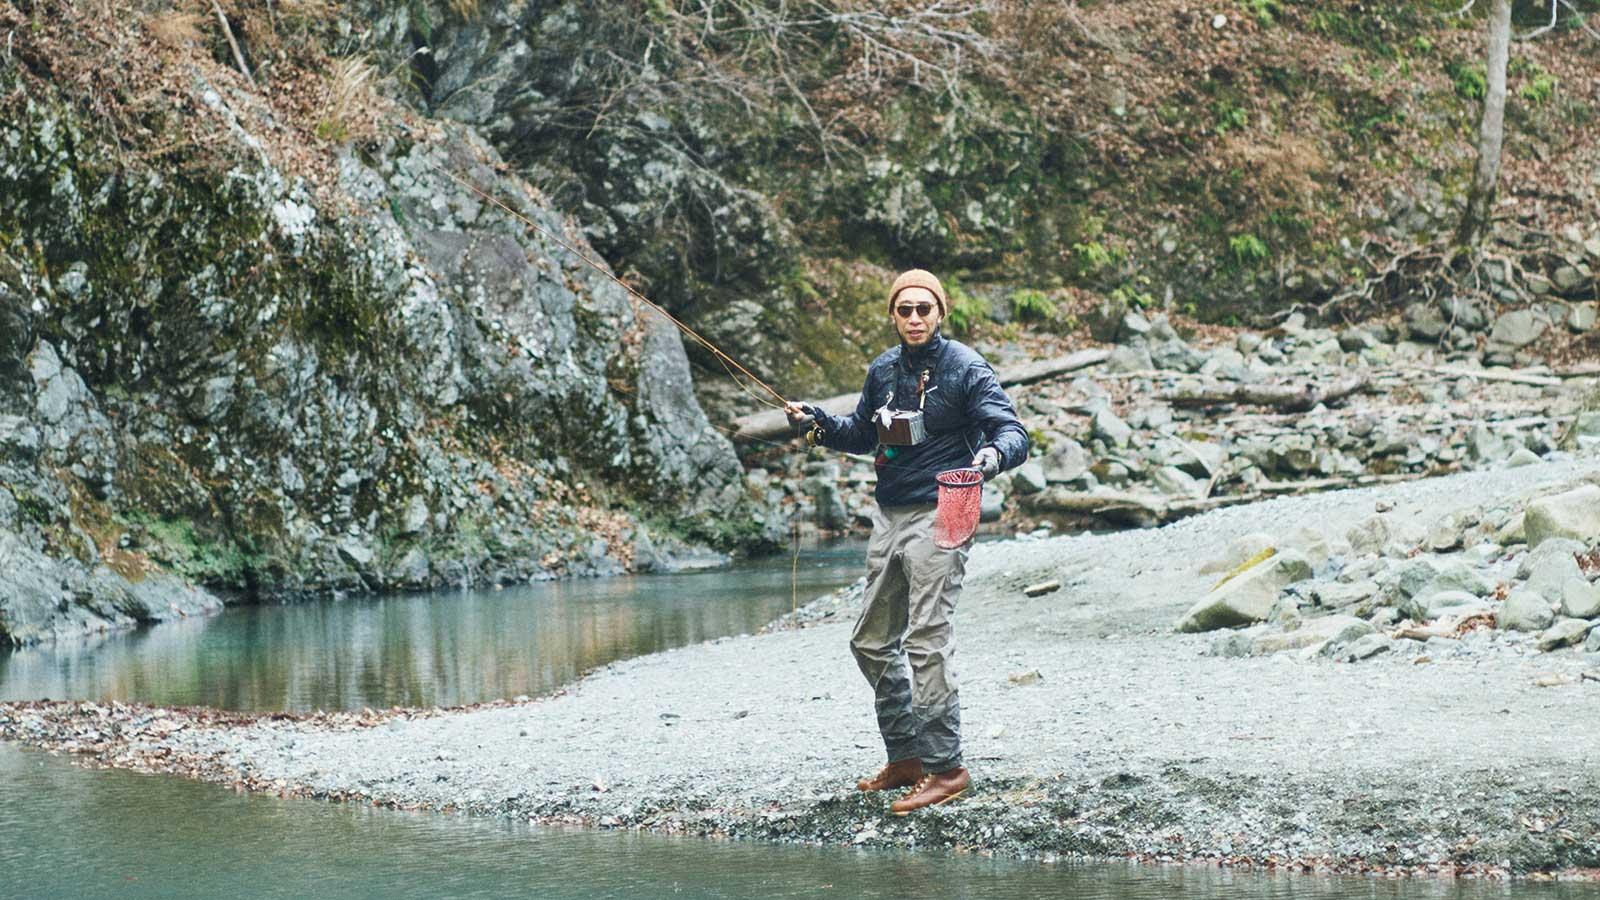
[(904, 310)]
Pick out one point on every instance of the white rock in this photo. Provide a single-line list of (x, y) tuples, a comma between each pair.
[(1574, 514)]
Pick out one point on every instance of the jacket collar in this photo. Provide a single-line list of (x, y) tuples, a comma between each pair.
[(922, 356)]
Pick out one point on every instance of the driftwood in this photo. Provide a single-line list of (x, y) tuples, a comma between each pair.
[(1148, 509), (1511, 376), (1288, 398), (774, 425)]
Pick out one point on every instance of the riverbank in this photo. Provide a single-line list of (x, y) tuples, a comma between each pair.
[(1093, 728)]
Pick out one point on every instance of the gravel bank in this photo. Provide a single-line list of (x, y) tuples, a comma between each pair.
[(1092, 728)]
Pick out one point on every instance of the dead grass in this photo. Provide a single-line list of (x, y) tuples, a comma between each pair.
[(350, 85), (178, 28)]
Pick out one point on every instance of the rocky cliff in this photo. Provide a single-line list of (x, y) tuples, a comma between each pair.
[(260, 339)]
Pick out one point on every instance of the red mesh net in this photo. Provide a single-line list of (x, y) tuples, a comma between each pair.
[(960, 503)]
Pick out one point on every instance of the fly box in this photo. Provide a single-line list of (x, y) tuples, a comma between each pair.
[(900, 427)]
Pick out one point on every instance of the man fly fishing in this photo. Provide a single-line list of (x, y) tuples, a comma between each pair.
[(929, 405)]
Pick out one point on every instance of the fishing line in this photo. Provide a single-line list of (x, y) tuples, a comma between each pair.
[(716, 351)]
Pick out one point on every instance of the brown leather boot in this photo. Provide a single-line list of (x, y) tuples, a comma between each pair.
[(900, 773), (933, 789)]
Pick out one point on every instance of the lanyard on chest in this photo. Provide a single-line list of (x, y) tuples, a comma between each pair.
[(904, 427)]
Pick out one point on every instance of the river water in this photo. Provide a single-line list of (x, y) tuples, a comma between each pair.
[(68, 831)]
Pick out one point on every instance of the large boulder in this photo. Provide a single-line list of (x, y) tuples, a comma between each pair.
[(1336, 629), (1525, 610), (1247, 596), (1574, 514), (1580, 599)]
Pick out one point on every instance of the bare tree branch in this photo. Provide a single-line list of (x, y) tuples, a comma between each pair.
[(1578, 17), (1555, 9)]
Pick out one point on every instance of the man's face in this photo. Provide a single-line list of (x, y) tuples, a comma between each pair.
[(916, 315)]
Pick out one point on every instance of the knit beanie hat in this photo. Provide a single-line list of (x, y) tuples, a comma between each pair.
[(921, 278)]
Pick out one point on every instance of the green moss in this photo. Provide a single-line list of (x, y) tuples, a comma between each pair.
[(181, 546)]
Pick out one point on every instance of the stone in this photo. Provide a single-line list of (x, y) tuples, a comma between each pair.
[(1105, 320), (1411, 576), (1248, 596), (1109, 428), (1424, 322), (1456, 575), (1178, 356), (1325, 630), (1580, 599), (1525, 610), (1550, 574), (1582, 316), (1067, 461), (1462, 313), (1365, 647), (416, 516), (1512, 532), (1339, 595), (1564, 633), (1029, 477), (1354, 340), (1568, 279), (1592, 643), (1042, 588), (1126, 358), (1439, 603), (1234, 644), (1312, 543), (1247, 342), (1448, 533), (1240, 550), (1552, 548), (1132, 328), (1522, 456), (1517, 329), (1371, 535), (1174, 481), (1573, 514), (1486, 446)]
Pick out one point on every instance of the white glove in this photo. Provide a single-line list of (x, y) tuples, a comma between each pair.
[(987, 461)]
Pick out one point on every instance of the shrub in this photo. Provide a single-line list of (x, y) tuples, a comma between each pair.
[(1470, 81), (966, 310), (1264, 11), (1033, 306), (1541, 88), (1247, 249)]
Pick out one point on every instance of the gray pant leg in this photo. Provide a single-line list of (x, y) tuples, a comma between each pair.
[(935, 577), (876, 641)]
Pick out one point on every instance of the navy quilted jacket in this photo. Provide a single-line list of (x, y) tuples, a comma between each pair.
[(964, 411)]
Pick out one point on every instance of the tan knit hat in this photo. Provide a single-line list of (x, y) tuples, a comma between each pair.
[(921, 278)]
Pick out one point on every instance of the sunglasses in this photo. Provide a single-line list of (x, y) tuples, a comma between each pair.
[(923, 310)]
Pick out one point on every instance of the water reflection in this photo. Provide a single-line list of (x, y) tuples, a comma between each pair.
[(422, 650), (71, 832)]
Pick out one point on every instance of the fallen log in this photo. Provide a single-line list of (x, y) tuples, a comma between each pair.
[(1508, 375), (1288, 398), (772, 424)]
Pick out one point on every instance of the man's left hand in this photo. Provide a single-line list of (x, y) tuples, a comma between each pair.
[(988, 462)]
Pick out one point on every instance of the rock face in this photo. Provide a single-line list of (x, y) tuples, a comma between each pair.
[(379, 382)]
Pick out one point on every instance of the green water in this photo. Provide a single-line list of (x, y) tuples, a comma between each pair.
[(443, 649), (71, 832)]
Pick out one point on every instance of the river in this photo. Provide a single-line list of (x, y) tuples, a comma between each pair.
[(70, 831)]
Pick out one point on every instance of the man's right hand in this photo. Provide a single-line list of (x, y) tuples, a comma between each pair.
[(799, 413)]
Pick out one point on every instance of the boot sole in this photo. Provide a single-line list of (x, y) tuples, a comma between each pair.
[(955, 796)]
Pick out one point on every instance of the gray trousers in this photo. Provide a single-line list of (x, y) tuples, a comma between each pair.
[(903, 641)]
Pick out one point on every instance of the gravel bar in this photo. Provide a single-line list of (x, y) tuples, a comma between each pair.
[(1092, 729)]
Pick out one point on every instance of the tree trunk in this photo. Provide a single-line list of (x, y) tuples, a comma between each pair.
[(1492, 131)]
